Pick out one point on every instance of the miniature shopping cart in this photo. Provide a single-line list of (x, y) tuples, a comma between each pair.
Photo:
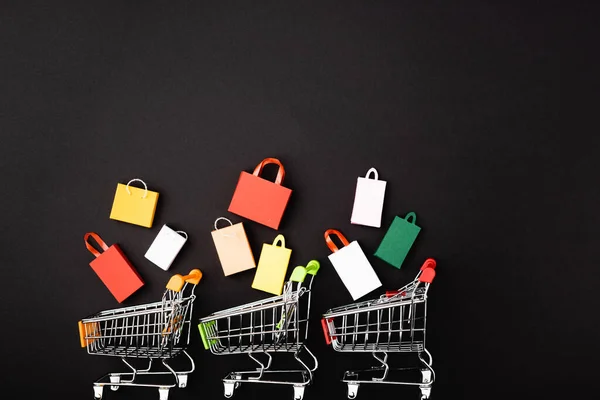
[(393, 323), (278, 324), (155, 331)]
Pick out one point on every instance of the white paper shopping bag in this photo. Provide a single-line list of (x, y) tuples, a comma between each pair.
[(352, 266), (368, 200), (165, 247)]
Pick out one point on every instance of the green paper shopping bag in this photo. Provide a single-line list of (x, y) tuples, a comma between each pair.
[(398, 240)]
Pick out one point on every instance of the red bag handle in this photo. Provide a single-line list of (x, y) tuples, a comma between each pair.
[(280, 171), (98, 240), (330, 243)]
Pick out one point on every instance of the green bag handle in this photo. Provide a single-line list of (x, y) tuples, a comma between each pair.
[(300, 272), (414, 218)]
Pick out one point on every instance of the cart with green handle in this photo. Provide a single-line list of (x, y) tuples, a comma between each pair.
[(278, 324)]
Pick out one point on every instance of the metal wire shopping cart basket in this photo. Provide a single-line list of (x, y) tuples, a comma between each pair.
[(278, 324), (159, 330), (393, 323)]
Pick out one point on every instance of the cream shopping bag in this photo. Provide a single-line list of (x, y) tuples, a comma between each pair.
[(232, 247), (352, 266)]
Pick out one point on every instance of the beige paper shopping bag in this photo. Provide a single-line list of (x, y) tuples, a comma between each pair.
[(232, 247)]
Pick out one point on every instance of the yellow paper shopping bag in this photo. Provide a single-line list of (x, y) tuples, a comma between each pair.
[(134, 205), (272, 267)]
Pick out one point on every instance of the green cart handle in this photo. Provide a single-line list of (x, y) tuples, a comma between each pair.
[(300, 272)]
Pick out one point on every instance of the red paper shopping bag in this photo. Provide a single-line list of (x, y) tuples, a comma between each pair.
[(114, 269), (261, 200)]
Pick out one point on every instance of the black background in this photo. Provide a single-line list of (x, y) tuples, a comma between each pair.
[(480, 116)]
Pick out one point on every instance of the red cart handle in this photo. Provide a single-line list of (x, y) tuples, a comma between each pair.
[(429, 263), (392, 293), (427, 275), (326, 331)]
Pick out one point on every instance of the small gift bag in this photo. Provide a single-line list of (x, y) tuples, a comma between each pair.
[(368, 200), (165, 247), (233, 248), (113, 268), (134, 205), (272, 267), (261, 200), (352, 266), (398, 240)]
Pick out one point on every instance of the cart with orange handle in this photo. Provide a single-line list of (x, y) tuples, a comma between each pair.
[(154, 331)]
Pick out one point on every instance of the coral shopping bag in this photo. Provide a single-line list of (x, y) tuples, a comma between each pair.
[(261, 200), (113, 269), (352, 266)]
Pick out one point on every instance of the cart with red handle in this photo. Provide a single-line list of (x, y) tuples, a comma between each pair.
[(392, 323)]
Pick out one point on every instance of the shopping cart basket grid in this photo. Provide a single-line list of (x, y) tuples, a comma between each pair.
[(392, 323), (149, 331), (262, 328)]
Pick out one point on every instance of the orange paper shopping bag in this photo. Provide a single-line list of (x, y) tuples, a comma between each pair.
[(113, 268), (261, 200)]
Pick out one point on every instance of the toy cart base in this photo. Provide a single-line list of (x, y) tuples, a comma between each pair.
[(117, 379), (139, 352), (264, 375), (381, 374), (355, 378), (234, 379), (404, 347), (260, 348)]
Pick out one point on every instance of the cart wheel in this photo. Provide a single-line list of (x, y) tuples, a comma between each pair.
[(352, 390), (298, 392), (426, 374), (182, 380), (163, 393), (98, 392), (229, 388), (425, 393), (115, 379)]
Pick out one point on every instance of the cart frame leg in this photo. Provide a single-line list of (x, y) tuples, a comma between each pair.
[(98, 389), (163, 393)]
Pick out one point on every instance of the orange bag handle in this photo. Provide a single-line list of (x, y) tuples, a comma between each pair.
[(330, 243), (280, 171), (98, 240)]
